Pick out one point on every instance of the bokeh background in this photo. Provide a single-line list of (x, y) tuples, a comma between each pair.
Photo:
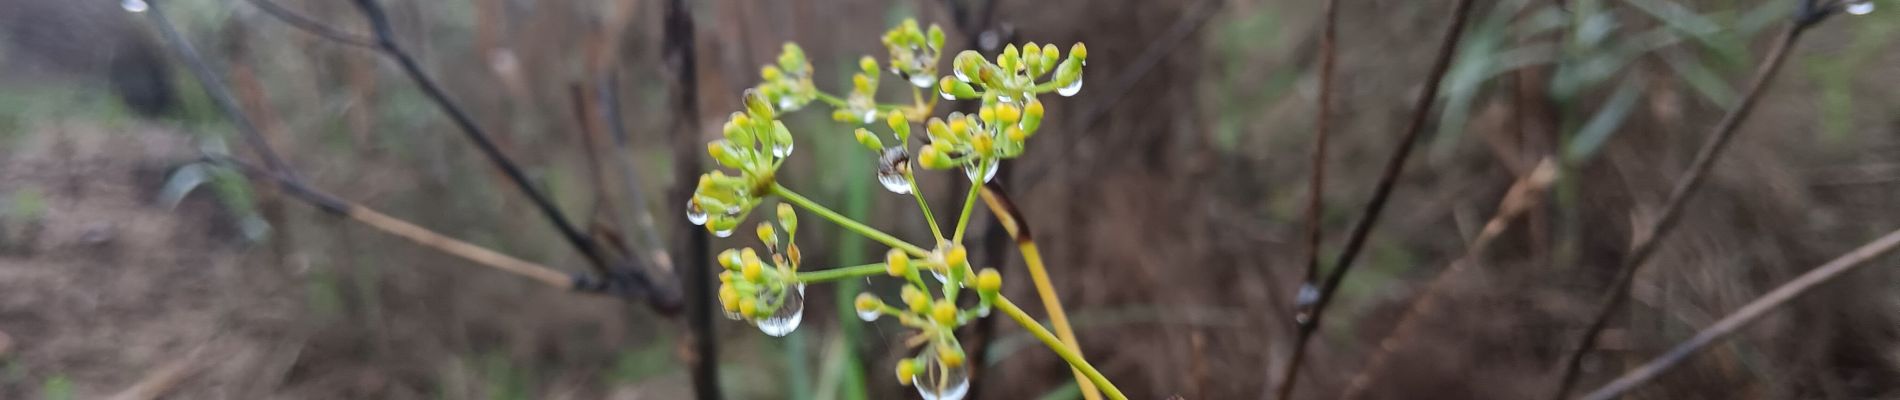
[(1166, 195)]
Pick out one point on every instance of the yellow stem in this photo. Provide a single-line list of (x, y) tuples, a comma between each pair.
[(1090, 377), (1006, 214)]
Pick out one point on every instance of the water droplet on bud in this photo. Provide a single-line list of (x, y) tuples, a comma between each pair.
[(695, 214), (723, 233), (937, 382), (1070, 90), (890, 170), (134, 5), (922, 80), (781, 150), (868, 315), (1860, 8), (790, 313)]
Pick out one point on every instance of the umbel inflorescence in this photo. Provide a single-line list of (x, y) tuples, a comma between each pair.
[(765, 286)]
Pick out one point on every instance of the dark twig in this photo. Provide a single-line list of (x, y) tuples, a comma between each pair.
[(679, 55), (1651, 235), (385, 40), (312, 26), (214, 87), (1421, 111), (1747, 314), (648, 232), (1527, 193)]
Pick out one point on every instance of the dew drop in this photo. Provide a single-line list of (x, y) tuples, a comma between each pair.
[(870, 116), (893, 182), (695, 214), (923, 80), (1860, 8), (868, 316), (723, 233), (134, 5), (939, 383), (1070, 90), (946, 94), (890, 170), (781, 150), (789, 314), (987, 171), (960, 75), (1004, 98)]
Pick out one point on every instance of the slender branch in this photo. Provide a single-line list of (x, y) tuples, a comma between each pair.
[(1062, 349), (680, 57), (847, 223), (923, 205), (1685, 187), (385, 40), (1523, 195), (1012, 220), (1394, 166), (1316, 186), (394, 226), (215, 89), (312, 26), (649, 232), (1748, 313), (963, 221), (841, 273)]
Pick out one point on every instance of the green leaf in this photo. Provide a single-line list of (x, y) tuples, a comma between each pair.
[(1594, 133)]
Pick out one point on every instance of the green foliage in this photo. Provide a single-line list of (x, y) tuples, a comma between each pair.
[(58, 387), (27, 204)]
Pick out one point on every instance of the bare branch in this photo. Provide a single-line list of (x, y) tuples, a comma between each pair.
[(678, 49), (1527, 193), (1421, 111), (312, 26), (1747, 314), (1685, 187)]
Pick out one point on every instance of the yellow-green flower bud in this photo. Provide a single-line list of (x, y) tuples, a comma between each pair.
[(955, 88), (751, 266), (936, 37), (868, 303), (842, 115), (1049, 56), (989, 283), (725, 277), (950, 356), (1032, 59), (718, 149), (959, 127), (945, 313), (748, 306), (906, 371), (771, 73), (898, 123), (915, 299), (869, 140), (729, 298), (782, 136), (738, 130), (757, 105), (1007, 114), (897, 263), (1068, 72), (868, 65), (729, 259), (983, 145), (1010, 60), (1032, 116), (956, 256), (722, 223), (968, 64), (1079, 51), (788, 218), (987, 114), (861, 84), (767, 235), (1016, 134), (937, 129), (930, 156)]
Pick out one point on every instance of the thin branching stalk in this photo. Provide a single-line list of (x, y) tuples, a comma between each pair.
[(219, 93), (1012, 220), (312, 26), (1748, 313), (848, 223), (1685, 187), (648, 230), (1062, 349), (1316, 186), (1527, 193), (386, 41), (1394, 166), (841, 273)]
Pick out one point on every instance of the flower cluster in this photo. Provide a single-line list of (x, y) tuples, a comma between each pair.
[(938, 370), (788, 85), (755, 144), (768, 295)]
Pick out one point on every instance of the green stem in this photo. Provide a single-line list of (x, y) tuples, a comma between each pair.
[(917, 192), (848, 223), (1049, 339), (963, 221), (840, 273)]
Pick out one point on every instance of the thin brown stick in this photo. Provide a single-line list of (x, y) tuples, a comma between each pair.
[(679, 52), (163, 379), (1394, 166), (1749, 313), (1652, 234), (414, 233), (1322, 123), (1527, 193), (312, 26)]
